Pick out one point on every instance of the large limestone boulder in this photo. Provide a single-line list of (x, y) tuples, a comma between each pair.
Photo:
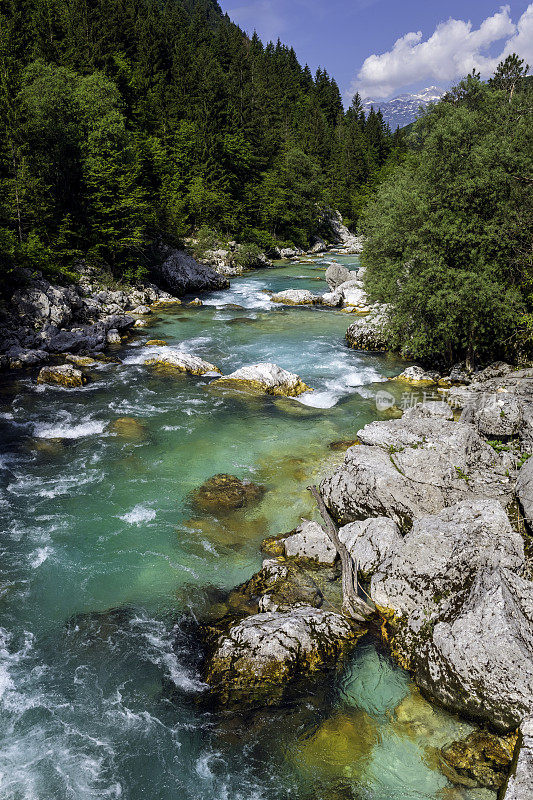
[(461, 617), (336, 275), (370, 542), (416, 376), (520, 783), (499, 402), (181, 274), (295, 297), (498, 415), (65, 375), (524, 491), (369, 333), (442, 554), (267, 378), (354, 295), (436, 409), (310, 543), (177, 361), (410, 467), (267, 655)]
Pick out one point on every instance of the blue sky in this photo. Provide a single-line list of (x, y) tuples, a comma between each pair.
[(385, 47)]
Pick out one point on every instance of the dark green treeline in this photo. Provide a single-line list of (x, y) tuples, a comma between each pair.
[(128, 122)]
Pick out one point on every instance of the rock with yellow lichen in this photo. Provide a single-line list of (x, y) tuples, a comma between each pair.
[(64, 375), (176, 361), (266, 655), (266, 378), (482, 759)]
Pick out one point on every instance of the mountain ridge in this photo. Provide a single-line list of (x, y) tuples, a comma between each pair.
[(404, 109)]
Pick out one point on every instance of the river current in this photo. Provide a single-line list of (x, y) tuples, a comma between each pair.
[(104, 562)]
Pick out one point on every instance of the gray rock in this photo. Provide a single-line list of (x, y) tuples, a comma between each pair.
[(113, 336), (369, 332), (311, 543), (331, 299), (267, 378), (442, 555), (265, 655), (478, 658), (336, 275), (520, 784), (181, 274), (142, 310), (524, 491), (295, 297), (497, 415), (413, 467), (462, 616), (418, 376), (432, 409), (370, 542)]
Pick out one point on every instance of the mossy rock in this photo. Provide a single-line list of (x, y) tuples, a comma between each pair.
[(343, 444), (224, 493), (482, 759)]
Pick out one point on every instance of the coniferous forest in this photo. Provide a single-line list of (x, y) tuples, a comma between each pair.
[(129, 122)]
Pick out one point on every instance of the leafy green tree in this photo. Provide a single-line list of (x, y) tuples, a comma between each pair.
[(449, 234)]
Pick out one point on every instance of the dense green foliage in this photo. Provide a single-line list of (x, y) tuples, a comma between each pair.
[(450, 234), (127, 122)]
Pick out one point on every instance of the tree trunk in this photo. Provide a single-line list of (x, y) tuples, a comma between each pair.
[(352, 605)]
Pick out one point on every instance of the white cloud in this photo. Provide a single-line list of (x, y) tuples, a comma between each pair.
[(453, 50)]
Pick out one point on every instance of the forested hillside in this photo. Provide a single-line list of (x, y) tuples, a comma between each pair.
[(129, 122)]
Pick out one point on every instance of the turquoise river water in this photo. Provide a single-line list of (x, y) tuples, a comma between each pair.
[(104, 562)]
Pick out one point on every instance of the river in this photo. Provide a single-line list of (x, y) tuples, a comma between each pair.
[(103, 562)]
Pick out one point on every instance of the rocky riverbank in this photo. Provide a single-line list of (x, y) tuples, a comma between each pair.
[(42, 320), (435, 514)]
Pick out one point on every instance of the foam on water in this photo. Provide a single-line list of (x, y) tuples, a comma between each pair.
[(39, 556), (67, 430), (249, 293), (139, 514)]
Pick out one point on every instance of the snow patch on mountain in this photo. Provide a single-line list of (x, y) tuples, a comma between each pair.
[(404, 109)]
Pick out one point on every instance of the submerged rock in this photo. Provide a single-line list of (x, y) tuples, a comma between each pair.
[(267, 378), (266, 656), (225, 493), (482, 759), (156, 343), (64, 375), (177, 361), (129, 428), (295, 297)]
